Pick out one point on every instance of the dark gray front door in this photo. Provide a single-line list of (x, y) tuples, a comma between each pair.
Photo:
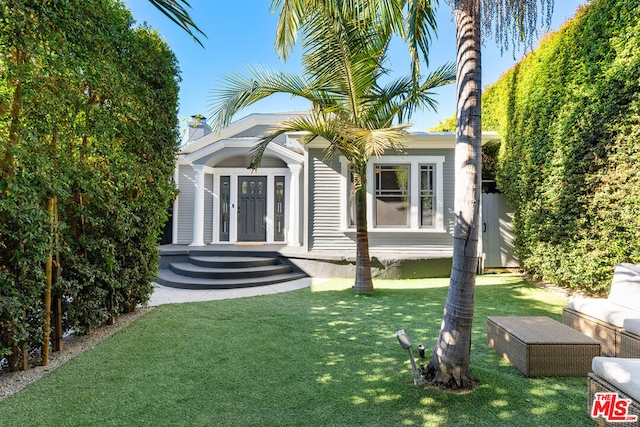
[(252, 208)]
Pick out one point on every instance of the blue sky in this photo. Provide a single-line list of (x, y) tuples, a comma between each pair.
[(242, 33)]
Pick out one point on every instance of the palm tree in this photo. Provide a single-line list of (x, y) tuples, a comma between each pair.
[(512, 22), (343, 59), (515, 22)]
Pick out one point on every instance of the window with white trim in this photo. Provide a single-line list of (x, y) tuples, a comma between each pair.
[(404, 193), (392, 196)]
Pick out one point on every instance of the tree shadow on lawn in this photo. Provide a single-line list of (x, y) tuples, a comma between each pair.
[(308, 357), (355, 336)]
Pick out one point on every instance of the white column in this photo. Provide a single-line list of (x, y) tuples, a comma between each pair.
[(176, 204), (198, 207), (270, 206), (294, 206)]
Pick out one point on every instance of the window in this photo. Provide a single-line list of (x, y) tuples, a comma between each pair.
[(392, 195), (351, 201), (278, 217), (427, 195), (404, 193), (225, 182)]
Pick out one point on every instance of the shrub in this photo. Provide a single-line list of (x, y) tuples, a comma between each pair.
[(88, 112), (569, 117)]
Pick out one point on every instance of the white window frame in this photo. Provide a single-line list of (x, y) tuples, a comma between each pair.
[(414, 163)]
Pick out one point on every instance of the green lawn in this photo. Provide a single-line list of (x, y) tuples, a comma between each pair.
[(321, 356)]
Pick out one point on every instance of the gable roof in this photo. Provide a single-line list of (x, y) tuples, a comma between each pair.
[(251, 126), (245, 132)]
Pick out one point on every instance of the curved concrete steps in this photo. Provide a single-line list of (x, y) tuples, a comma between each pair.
[(226, 272)]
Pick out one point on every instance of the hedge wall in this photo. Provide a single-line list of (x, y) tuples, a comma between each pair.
[(569, 114), (88, 126)]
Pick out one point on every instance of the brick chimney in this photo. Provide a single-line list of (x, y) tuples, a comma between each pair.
[(198, 128)]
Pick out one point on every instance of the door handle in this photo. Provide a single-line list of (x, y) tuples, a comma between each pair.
[(484, 227)]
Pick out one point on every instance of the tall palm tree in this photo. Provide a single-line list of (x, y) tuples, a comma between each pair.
[(344, 57), (514, 22), (510, 22)]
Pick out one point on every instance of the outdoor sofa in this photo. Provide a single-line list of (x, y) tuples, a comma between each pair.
[(619, 376), (603, 318)]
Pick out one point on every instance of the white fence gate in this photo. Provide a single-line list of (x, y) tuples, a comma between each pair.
[(497, 232)]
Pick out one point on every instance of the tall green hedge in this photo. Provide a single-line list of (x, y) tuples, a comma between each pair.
[(569, 114), (88, 120)]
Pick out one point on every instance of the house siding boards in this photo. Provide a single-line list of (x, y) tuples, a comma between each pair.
[(186, 180), (186, 195), (326, 205)]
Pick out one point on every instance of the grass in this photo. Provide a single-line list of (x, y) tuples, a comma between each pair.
[(321, 356)]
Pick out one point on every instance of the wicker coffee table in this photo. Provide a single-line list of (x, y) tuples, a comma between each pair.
[(539, 346)]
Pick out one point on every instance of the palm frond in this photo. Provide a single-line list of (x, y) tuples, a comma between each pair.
[(292, 15), (374, 142), (175, 11), (239, 91), (400, 99), (421, 22), (315, 124), (344, 59)]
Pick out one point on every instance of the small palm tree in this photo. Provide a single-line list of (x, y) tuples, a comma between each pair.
[(343, 58)]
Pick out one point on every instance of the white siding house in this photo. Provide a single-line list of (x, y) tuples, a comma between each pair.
[(301, 200)]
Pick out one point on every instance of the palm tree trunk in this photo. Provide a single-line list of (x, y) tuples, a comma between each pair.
[(450, 363), (363, 282)]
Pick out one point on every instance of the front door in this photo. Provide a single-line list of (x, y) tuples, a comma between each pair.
[(252, 208)]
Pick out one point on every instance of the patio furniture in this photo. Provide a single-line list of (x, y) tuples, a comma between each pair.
[(630, 338), (615, 375), (540, 346), (602, 318)]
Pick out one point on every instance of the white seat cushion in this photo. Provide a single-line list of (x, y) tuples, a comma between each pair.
[(602, 309), (625, 286), (622, 373), (632, 325)]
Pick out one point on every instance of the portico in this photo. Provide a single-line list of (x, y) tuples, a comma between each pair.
[(233, 204)]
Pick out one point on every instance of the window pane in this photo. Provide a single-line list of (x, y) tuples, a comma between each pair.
[(224, 208), (427, 195), (392, 195), (278, 217), (351, 201)]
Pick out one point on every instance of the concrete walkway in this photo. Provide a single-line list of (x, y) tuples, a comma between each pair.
[(165, 295)]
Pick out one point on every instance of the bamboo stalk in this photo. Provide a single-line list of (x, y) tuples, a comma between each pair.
[(57, 305), (57, 322), (25, 354), (47, 292)]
